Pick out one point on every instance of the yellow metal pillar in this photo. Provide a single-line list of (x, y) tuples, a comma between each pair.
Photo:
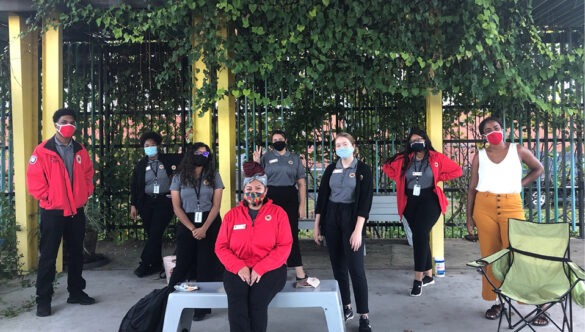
[(227, 138), (434, 109), (52, 98), (52, 89), (201, 122), (24, 97)]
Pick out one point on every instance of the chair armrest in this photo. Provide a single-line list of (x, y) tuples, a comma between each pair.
[(576, 270), (485, 261)]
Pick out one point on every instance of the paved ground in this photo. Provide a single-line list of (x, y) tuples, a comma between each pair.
[(452, 304)]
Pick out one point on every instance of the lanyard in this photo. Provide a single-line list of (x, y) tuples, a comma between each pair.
[(197, 189), (154, 167), (423, 165)]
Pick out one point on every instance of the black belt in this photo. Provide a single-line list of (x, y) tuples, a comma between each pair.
[(157, 195)]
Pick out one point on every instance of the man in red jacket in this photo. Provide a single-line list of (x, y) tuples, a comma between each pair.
[(60, 176)]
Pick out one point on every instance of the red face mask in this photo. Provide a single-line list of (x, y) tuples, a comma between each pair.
[(66, 130), (495, 137)]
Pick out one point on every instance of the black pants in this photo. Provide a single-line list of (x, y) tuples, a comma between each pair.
[(248, 305), (338, 228), (156, 213), (288, 199), (53, 228), (198, 255), (422, 213)]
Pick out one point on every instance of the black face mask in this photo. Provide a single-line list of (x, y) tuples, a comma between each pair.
[(417, 146), (279, 146), (200, 160)]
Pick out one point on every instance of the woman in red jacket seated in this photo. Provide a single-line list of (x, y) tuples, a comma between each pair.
[(253, 244), (417, 171)]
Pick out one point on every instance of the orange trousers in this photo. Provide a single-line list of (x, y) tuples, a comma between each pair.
[(491, 213)]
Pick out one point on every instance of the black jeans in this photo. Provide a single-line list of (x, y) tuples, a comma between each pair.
[(156, 213), (248, 305), (54, 227), (288, 199), (338, 228), (422, 213)]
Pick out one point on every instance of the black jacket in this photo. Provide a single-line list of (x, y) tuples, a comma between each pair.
[(364, 192), (171, 162)]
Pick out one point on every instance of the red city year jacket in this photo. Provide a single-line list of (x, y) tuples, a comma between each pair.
[(263, 246), (48, 181), (443, 169)]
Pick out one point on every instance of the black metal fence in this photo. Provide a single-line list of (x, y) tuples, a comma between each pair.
[(116, 91)]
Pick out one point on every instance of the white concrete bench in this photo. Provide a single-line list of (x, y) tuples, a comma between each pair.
[(384, 211), (181, 305)]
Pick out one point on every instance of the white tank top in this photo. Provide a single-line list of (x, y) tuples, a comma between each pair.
[(502, 178)]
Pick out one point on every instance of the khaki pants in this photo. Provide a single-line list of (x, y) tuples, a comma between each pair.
[(491, 213)]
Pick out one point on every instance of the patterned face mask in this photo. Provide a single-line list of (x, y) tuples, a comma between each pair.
[(254, 198)]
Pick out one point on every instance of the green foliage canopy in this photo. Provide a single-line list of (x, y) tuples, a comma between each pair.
[(476, 51)]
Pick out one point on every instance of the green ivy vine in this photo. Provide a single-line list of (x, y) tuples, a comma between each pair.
[(475, 51)]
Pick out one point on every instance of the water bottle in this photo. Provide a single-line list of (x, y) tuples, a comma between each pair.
[(440, 266)]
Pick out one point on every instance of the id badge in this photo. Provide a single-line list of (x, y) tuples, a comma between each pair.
[(416, 190), (417, 173), (198, 217), (156, 189)]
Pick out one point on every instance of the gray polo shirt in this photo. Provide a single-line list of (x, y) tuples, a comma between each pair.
[(282, 170), (189, 195), (343, 182), (66, 153), (155, 173), (425, 180)]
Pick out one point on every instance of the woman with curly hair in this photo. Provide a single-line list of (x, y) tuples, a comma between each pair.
[(150, 198)]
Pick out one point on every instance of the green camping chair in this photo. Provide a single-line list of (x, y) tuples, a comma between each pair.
[(535, 270)]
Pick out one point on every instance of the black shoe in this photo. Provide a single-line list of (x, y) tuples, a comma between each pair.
[(199, 317), (43, 309), (416, 288), (427, 281), (144, 270), (80, 298), (365, 325), (347, 313), (199, 314)]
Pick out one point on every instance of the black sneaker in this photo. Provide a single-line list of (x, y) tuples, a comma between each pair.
[(80, 298), (141, 271), (43, 309), (199, 314), (428, 281), (365, 325), (347, 313), (416, 288), (144, 270)]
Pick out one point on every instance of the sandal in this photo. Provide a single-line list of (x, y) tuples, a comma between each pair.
[(540, 321), (494, 312)]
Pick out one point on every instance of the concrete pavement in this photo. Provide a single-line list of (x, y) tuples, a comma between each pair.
[(452, 304)]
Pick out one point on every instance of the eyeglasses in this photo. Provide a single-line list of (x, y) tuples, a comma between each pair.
[(202, 153), (417, 140)]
